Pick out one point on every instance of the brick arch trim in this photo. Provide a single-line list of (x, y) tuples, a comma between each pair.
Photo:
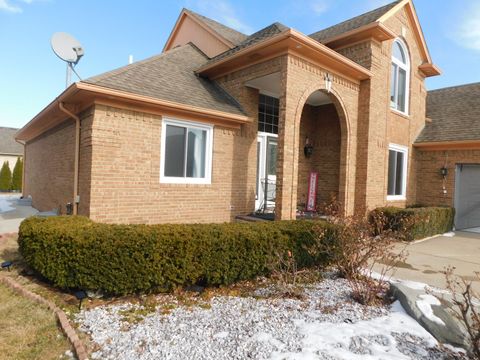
[(345, 136)]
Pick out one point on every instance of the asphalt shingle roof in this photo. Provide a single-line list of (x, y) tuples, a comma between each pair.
[(353, 23), (234, 36), (455, 114), (171, 76), (259, 36), (8, 145)]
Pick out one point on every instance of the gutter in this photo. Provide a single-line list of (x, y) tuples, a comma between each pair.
[(61, 106)]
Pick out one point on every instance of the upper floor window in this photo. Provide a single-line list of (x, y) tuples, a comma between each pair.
[(268, 108), (186, 154), (399, 82)]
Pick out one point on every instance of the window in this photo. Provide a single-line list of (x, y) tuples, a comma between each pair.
[(186, 152), (397, 172), (400, 77), (268, 108)]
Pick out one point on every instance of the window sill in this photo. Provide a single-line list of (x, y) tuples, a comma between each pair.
[(396, 198), (183, 181), (400, 113)]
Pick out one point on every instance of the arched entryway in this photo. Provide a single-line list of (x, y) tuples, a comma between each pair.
[(322, 129)]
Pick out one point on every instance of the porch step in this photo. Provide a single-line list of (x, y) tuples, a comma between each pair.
[(25, 201), (253, 218)]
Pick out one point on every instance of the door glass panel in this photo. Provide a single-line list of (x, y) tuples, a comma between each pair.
[(392, 159), (272, 157), (259, 144), (175, 151), (196, 151), (399, 174)]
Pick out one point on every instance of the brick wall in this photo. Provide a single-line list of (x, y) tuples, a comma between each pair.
[(378, 125), (49, 166), (126, 184), (430, 184)]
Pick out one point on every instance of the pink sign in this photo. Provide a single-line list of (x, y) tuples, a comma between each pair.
[(312, 192)]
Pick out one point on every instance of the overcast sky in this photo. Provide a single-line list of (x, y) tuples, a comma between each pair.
[(31, 76)]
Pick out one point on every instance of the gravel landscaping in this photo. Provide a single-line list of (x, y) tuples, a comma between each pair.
[(324, 324)]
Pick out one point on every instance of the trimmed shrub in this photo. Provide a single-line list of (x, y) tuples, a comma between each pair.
[(422, 221), (74, 252), (17, 175), (5, 177)]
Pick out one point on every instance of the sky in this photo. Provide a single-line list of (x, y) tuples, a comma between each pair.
[(31, 75)]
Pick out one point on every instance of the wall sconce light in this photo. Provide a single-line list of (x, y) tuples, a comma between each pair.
[(308, 149), (328, 83), (444, 172)]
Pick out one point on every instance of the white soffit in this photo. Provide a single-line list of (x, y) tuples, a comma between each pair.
[(318, 98)]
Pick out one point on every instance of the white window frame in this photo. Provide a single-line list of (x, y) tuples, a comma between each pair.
[(404, 150), (406, 67), (208, 155)]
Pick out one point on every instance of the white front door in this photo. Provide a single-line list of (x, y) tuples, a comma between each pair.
[(266, 171)]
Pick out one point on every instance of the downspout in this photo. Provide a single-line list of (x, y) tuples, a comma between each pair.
[(23, 167), (77, 155)]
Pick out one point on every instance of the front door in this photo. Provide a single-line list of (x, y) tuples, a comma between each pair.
[(266, 172)]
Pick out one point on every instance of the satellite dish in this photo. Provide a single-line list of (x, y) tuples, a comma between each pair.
[(66, 47), (69, 49)]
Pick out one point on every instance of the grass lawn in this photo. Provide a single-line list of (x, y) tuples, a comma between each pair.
[(28, 330)]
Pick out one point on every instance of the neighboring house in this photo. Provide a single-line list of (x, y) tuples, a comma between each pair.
[(10, 150), (193, 134)]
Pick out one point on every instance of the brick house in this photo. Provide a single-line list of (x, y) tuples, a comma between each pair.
[(203, 131), (10, 150)]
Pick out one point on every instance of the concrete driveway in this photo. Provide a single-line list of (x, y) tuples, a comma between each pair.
[(12, 213), (428, 259)]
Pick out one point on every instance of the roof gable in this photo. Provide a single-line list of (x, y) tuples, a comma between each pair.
[(261, 35), (349, 30), (232, 35), (208, 35), (8, 145), (357, 22)]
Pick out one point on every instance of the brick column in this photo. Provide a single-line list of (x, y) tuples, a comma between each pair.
[(287, 156)]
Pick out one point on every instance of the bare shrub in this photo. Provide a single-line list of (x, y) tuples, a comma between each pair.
[(284, 271), (466, 303), (363, 242)]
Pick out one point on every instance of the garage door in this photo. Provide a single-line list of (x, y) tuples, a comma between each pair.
[(467, 197)]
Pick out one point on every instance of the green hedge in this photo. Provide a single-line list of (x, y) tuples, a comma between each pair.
[(77, 253), (427, 221)]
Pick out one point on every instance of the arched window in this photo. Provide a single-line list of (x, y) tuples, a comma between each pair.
[(400, 80)]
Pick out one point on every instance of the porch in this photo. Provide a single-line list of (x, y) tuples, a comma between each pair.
[(302, 149)]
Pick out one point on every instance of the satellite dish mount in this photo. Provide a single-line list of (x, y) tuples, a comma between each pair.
[(67, 48)]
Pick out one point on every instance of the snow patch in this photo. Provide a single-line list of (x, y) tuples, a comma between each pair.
[(449, 234), (337, 339), (6, 203), (425, 305)]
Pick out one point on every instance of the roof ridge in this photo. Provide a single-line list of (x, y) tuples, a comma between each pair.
[(281, 27), (122, 69), (454, 86), (208, 22), (8, 127), (386, 6)]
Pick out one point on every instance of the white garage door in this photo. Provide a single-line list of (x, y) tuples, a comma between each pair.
[(467, 197)]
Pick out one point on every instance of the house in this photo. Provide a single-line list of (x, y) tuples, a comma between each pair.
[(10, 150), (202, 131)]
